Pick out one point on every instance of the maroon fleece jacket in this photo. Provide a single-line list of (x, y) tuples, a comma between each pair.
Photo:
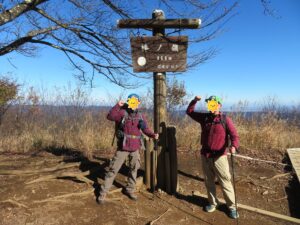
[(213, 136), (130, 127)]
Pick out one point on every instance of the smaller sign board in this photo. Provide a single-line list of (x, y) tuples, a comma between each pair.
[(159, 54), (294, 154)]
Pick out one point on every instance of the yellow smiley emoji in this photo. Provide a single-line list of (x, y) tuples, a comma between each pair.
[(212, 106), (133, 103)]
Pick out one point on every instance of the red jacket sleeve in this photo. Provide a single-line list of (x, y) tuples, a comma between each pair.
[(234, 138), (197, 116), (116, 113), (147, 131)]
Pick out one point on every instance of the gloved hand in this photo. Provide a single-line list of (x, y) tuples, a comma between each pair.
[(141, 125)]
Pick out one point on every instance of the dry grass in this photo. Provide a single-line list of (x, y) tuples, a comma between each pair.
[(86, 132), (268, 134), (263, 135), (188, 132), (28, 127)]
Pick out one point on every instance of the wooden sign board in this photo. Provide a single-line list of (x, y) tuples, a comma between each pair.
[(159, 54), (294, 154)]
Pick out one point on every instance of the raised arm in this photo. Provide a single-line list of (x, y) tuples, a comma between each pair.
[(116, 113), (199, 117)]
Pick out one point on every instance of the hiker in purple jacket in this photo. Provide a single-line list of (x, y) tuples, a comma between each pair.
[(216, 127), (130, 125)]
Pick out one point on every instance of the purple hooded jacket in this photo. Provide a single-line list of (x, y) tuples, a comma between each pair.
[(213, 136), (130, 128)]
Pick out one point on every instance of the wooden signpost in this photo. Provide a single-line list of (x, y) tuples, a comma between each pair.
[(158, 21), (160, 54)]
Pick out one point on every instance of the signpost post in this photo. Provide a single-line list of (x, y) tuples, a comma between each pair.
[(159, 54)]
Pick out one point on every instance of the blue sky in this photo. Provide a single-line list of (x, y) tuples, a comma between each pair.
[(259, 56)]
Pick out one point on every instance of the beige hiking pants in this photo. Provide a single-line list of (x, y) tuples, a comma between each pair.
[(218, 167)]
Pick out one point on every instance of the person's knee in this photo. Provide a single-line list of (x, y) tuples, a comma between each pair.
[(110, 174), (225, 177), (135, 166)]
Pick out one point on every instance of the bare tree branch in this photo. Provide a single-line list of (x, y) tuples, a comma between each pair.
[(85, 31), (225, 12), (18, 10), (22, 40), (268, 10), (118, 10)]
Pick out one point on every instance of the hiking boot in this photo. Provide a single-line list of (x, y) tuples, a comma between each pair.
[(210, 208), (233, 214), (101, 198)]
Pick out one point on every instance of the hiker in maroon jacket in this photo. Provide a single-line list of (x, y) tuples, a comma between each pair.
[(130, 126), (216, 127)]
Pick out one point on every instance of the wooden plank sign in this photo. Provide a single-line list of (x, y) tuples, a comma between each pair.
[(159, 54)]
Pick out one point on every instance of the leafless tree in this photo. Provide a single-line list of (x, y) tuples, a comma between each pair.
[(176, 94), (85, 31)]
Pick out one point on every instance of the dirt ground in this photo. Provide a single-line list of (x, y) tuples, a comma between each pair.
[(36, 203)]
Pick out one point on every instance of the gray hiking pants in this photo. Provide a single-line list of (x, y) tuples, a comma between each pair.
[(114, 167), (219, 168)]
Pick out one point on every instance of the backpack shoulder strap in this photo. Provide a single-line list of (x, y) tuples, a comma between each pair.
[(140, 115), (224, 122), (125, 117), (206, 119)]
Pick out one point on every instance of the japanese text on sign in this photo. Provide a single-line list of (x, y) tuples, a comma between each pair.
[(159, 54)]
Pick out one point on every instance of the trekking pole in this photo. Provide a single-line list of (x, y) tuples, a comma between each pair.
[(113, 140), (234, 189)]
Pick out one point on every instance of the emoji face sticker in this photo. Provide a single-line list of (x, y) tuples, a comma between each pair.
[(212, 105), (133, 103)]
